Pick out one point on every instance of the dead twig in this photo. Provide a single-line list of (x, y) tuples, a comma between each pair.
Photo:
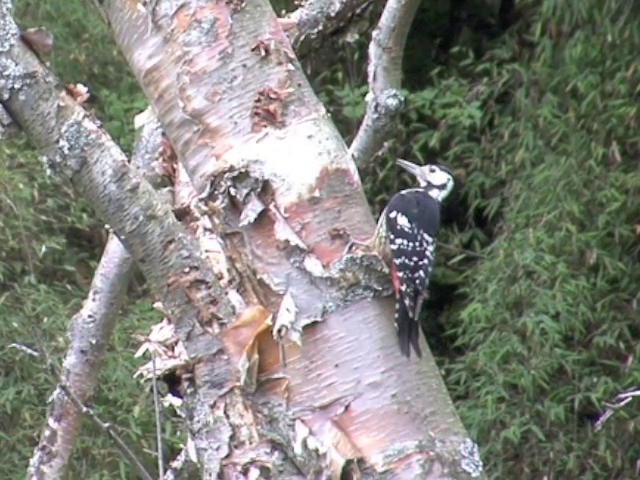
[(615, 405)]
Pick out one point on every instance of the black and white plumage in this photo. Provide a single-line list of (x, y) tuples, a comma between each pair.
[(408, 228)]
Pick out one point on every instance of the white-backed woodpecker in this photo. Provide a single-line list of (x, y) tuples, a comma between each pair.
[(406, 234)]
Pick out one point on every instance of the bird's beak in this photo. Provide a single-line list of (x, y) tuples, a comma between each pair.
[(412, 168)]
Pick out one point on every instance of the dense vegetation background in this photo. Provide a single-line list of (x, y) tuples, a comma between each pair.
[(534, 316)]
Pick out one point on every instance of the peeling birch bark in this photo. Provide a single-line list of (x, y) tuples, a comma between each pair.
[(246, 126), (276, 187), (89, 333)]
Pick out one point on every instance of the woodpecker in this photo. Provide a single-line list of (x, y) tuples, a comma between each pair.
[(406, 234)]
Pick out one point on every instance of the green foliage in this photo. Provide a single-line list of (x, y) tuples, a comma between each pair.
[(36, 314), (543, 130), (84, 52), (342, 88), (49, 245), (540, 122), (548, 330), (34, 227), (45, 246)]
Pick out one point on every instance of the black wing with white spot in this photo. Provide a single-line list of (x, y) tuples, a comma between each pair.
[(412, 220)]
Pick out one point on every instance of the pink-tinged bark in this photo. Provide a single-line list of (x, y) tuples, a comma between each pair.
[(252, 136), (278, 190)]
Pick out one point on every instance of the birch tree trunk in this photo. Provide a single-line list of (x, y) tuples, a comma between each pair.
[(277, 192)]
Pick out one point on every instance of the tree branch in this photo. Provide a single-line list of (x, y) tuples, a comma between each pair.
[(316, 20), (108, 429), (72, 400), (89, 332), (77, 150), (384, 100), (273, 179)]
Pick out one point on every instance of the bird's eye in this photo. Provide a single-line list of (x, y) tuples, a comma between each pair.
[(432, 169)]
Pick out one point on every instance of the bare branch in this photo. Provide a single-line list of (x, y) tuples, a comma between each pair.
[(90, 330), (78, 150), (384, 100), (7, 126), (615, 405), (316, 20), (63, 389), (108, 429)]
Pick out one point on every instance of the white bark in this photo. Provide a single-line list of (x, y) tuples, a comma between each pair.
[(385, 99), (315, 21), (347, 401)]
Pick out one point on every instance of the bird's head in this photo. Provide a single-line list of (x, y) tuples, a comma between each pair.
[(435, 179)]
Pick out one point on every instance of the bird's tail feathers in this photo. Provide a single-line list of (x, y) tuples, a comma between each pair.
[(408, 331)]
